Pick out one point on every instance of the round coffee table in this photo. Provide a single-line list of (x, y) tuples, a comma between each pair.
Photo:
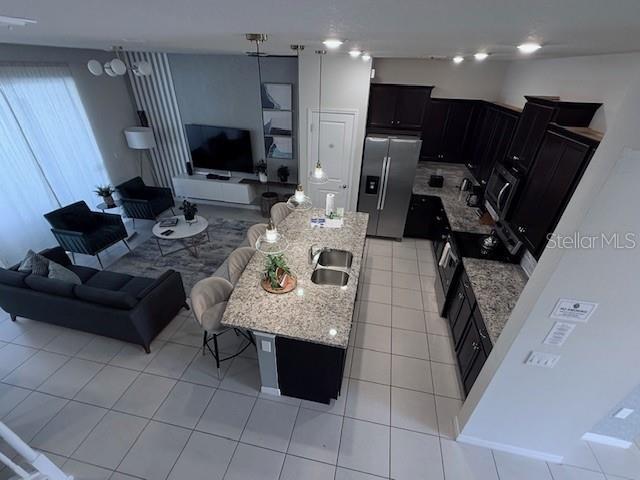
[(191, 234)]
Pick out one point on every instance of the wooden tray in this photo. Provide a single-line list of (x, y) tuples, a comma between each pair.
[(289, 286)]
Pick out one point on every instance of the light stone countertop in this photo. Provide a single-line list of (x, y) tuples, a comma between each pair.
[(461, 217), (497, 287), (310, 315)]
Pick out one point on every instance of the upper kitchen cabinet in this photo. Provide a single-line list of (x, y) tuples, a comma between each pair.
[(563, 156), (490, 139), (537, 114), (445, 129), (398, 107)]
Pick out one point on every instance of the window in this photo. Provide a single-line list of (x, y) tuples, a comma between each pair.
[(48, 155)]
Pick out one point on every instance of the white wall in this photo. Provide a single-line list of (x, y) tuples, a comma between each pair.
[(107, 101), (470, 79), (597, 78), (545, 411), (345, 85)]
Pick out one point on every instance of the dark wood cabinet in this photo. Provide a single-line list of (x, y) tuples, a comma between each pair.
[(555, 172), (399, 107), (528, 135), (445, 129), (538, 113), (490, 139), (470, 337)]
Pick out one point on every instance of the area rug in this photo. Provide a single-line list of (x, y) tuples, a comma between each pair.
[(145, 260)]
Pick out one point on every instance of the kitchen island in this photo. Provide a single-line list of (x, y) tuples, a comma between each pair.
[(301, 336)]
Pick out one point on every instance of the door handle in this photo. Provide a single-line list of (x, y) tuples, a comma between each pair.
[(502, 190), (384, 183), (382, 180)]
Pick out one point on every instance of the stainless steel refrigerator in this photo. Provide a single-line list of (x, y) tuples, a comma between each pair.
[(388, 170)]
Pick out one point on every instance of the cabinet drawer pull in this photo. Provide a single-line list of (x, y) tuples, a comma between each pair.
[(522, 229), (460, 295), (483, 334), (475, 346), (466, 285)]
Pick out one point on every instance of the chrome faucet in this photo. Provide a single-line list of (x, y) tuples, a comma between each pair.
[(314, 254)]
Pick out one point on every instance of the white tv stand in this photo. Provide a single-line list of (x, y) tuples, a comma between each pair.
[(199, 187)]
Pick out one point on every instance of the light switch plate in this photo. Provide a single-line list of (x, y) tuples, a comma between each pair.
[(265, 345), (541, 359), (623, 413)]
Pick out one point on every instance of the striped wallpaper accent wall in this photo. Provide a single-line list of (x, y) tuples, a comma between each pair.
[(156, 95)]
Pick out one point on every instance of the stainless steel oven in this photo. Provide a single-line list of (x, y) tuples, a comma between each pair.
[(500, 191)]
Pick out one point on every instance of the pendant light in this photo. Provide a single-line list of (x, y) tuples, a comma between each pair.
[(272, 242), (318, 175)]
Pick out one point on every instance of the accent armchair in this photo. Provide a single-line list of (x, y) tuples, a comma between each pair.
[(143, 202), (79, 230)]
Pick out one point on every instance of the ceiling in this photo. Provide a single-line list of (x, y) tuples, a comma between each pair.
[(386, 28)]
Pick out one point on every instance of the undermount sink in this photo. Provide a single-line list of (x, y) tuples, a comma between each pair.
[(325, 276), (330, 257)]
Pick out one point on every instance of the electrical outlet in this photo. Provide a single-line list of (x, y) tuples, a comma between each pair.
[(265, 345), (541, 359)]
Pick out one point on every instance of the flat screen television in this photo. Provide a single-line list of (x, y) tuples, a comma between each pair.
[(220, 148)]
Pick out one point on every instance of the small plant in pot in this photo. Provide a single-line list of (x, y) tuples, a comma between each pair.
[(261, 170), (189, 210), (277, 277), (283, 173), (106, 193)]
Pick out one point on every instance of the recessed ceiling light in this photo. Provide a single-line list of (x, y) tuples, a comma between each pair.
[(458, 59), (15, 21), (481, 56), (366, 57), (529, 47), (332, 43), (355, 53)]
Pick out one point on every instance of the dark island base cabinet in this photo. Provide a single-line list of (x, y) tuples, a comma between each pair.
[(470, 337), (309, 371)]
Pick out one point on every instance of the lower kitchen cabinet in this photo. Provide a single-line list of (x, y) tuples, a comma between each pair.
[(470, 337), (310, 371)]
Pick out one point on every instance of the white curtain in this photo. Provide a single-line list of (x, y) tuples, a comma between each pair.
[(48, 154)]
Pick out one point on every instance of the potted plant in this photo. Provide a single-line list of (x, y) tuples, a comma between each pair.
[(106, 192), (189, 210), (283, 173), (277, 277), (261, 170)]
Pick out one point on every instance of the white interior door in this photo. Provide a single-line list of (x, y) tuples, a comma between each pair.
[(336, 155)]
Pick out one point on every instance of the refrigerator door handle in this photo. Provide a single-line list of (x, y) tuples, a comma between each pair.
[(384, 182), (382, 176)]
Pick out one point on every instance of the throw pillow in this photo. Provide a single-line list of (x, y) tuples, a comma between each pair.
[(34, 263), (58, 272)]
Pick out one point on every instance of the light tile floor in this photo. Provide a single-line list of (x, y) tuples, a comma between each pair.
[(102, 409)]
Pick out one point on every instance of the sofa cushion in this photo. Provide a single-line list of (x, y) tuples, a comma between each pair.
[(108, 280), (50, 285), (58, 255), (13, 277), (85, 273), (136, 285), (120, 300), (34, 263), (58, 272)]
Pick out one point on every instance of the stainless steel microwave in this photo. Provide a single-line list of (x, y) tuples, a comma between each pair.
[(500, 192)]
